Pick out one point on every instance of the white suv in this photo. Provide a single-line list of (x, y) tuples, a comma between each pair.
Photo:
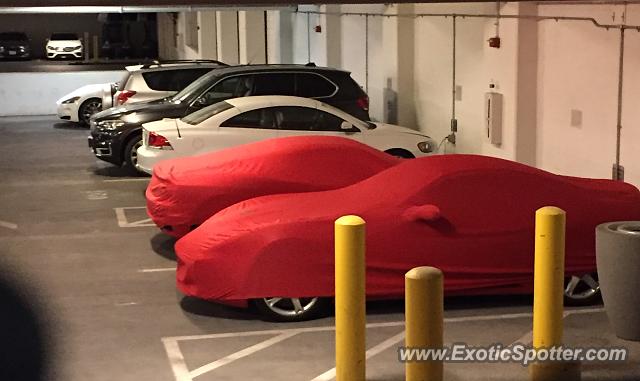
[(158, 80), (64, 45), (147, 82)]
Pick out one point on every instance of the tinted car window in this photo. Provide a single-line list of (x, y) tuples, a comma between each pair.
[(64, 36), (233, 87), (13, 36), (327, 122), (274, 84), (259, 118), (314, 86), (172, 80), (206, 113), (295, 118)]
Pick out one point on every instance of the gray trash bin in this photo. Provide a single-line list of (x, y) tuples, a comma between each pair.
[(618, 259)]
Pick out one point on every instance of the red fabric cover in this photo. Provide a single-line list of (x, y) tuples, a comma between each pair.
[(471, 216), (185, 192)]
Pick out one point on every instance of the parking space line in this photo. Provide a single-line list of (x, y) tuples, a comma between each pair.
[(163, 269), (182, 373), (379, 348), (8, 225), (127, 180), (123, 222), (240, 354), (176, 359)]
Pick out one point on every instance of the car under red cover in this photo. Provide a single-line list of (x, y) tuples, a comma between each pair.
[(184, 192), (471, 216)]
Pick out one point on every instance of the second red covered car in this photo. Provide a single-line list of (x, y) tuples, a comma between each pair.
[(471, 216), (184, 192)]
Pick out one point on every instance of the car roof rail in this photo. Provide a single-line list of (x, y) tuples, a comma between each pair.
[(159, 63)]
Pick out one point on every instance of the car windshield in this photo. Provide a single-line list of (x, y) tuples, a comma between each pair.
[(63, 36), (195, 88), (206, 113), (13, 36)]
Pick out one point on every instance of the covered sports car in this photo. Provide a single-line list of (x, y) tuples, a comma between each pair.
[(471, 216), (184, 192)]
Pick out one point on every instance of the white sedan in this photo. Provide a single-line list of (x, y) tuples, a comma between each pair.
[(80, 104), (249, 119)]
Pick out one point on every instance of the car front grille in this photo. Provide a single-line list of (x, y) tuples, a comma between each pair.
[(68, 49)]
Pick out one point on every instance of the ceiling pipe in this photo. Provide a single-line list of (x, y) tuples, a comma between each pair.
[(480, 15), (135, 9)]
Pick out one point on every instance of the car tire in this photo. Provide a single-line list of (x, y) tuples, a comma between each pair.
[(401, 153), (87, 109), (130, 154), (285, 310), (582, 290)]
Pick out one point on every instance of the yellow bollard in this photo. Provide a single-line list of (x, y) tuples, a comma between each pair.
[(350, 298), (424, 320), (548, 274), (548, 288)]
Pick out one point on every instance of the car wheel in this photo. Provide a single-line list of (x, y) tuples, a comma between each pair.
[(291, 309), (401, 153), (582, 290), (88, 108), (131, 152)]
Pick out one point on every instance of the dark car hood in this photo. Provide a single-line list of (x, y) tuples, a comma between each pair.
[(14, 42), (143, 112)]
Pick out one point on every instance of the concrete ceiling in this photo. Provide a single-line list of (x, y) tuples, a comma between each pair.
[(224, 3)]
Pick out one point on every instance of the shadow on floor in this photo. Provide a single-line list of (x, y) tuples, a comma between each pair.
[(210, 309), (115, 171), (70, 126), (163, 245)]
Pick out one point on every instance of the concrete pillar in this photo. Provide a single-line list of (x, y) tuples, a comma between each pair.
[(227, 37), (207, 35), (279, 37), (398, 41), (526, 86), (166, 36), (332, 28), (251, 29)]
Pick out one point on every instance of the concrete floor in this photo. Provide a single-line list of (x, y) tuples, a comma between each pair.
[(105, 289), (60, 65)]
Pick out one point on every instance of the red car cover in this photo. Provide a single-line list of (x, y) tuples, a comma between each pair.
[(184, 192), (471, 216)]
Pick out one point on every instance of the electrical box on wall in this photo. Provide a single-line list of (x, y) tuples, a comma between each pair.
[(493, 115)]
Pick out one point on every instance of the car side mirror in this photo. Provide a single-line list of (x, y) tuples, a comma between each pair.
[(346, 126), (424, 213), (201, 102)]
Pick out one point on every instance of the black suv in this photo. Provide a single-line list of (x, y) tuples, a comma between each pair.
[(116, 133)]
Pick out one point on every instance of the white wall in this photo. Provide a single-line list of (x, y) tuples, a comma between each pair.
[(19, 90), (578, 71)]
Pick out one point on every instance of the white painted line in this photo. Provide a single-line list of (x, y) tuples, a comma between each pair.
[(8, 225), (97, 195), (157, 270), (125, 304), (240, 354), (182, 373), (379, 348), (127, 180), (176, 359), (123, 222)]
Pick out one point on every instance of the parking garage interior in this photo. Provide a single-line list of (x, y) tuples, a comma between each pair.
[(90, 279)]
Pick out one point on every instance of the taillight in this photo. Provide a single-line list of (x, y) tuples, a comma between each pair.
[(363, 103), (124, 96), (158, 141)]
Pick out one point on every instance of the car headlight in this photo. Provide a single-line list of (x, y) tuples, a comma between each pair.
[(425, 147), (77, 47), (50, 48), (70, 100), (110, 124)]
